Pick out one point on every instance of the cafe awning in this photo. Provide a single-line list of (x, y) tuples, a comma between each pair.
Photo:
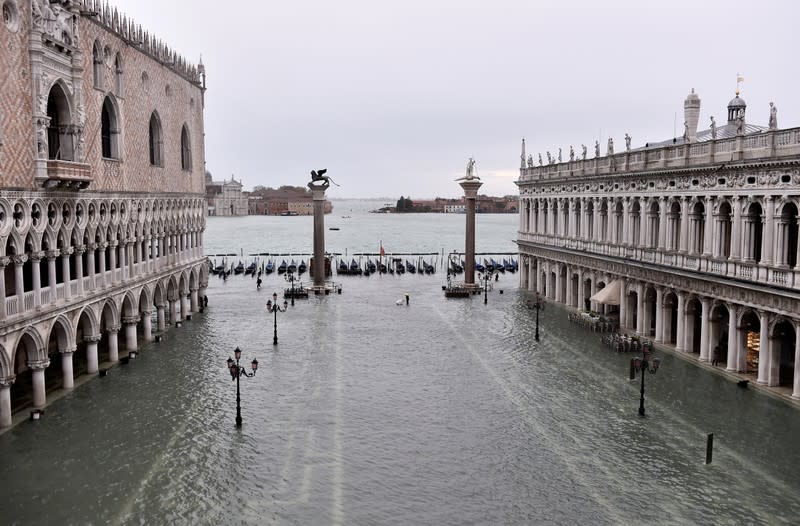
[(609, 295)]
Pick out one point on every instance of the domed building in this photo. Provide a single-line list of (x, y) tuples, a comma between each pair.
[(691, 242)]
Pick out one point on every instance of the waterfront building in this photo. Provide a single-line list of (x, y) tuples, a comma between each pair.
[(225, 198), (692, 241), (101, 196)]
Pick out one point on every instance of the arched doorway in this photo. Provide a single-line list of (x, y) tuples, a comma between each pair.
[(783, 345), (719, 324), (694, 325), (670, 315), (723, 234), (750, 346)]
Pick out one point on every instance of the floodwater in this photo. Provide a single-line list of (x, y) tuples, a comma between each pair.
[(369, 412)]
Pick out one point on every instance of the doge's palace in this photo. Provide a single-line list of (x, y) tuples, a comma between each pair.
[(101, 193), (691, 242)]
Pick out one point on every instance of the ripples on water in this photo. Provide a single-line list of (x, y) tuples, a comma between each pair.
[(442, 412)]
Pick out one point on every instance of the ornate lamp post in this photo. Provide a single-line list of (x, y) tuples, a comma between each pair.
[(643, 363), (272, 306), (238, 371), (290, 277), (537, 305), (486, 278)]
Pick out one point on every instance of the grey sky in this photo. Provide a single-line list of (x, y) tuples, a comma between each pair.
[(394, 97)]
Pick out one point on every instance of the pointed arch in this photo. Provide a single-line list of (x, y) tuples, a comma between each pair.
[(155, 140), (186, 149), (97, 63), (110, 128)]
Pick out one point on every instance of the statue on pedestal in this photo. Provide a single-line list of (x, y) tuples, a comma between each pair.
[(583, 151), (540, 159), (627, 142), (319, 180), (470, 171), (559, 155), (530, 160), (773, 116), (713, 128), (571, 153), (610, 146), (597, 148)]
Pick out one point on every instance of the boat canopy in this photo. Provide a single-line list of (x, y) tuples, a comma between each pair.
[(608, 295)]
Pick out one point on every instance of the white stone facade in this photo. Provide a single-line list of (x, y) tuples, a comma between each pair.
[(702, 238), (102, 204)]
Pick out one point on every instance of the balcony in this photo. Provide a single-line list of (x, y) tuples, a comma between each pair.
[(68, 175)]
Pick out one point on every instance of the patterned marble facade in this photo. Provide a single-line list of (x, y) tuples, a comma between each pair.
[(699, 235), (102, 193)]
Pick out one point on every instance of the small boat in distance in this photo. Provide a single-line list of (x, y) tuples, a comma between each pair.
[(282, 267), (270, 267), (301, 267), (292, 267)]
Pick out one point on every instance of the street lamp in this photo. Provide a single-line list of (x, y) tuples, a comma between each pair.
[(272, 306), (290, 277), (643, 363), (486, 278), (238, 371), (538, 305)]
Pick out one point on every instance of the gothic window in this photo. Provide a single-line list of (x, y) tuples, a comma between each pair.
[(186, 149), (109, 129), (118, 84), (59, 138), (97, 61), (155, 141)]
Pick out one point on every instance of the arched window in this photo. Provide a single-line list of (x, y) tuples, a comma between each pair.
[(118, 85), (109, 130), (186, 149), (59, 138), (97, 59), (156, 142)]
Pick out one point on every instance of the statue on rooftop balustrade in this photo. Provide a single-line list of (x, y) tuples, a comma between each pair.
[(610, 146), (773, 116), (571, 153), (583, 151), (713, 128), (627, 142), (540, 159)]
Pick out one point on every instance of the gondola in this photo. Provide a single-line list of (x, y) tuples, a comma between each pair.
[(282, 267), (410, 267), (292, 267), (239, 268), (507, 265), (479, 267), (355, 268), (342, 268), (399, 267), (381, 267), (250, 269), (270, 268), (302, 267)]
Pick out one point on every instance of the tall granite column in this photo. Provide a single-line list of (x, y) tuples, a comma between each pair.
[(318, 196), (470, 186)]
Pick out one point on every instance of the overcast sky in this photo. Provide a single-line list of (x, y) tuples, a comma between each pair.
[(393, 98)]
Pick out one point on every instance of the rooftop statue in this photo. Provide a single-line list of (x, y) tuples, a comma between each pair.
[(571, 153), (610, 146), (713, 128), (597, 148), (540, 159), (583, 153), (685, 131), (627, 142), (740, 123), (773, 116), (530, 160), (549, 158), (559, 155)]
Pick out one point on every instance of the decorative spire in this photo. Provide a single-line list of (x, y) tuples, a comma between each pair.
[(739, 80)]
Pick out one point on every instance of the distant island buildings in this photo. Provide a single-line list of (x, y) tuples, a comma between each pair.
[(485, 205), (227, 198)]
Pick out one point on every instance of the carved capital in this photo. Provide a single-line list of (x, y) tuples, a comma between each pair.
[(4, 261), (130, 320), (79, 250), (66, 251), (7, 381), (68, 350), (51, 254), (19, 259), (114, 329), (93, 339), (36, 365), (36, 256)]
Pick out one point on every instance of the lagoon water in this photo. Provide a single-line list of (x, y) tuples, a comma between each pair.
[(369, 412)]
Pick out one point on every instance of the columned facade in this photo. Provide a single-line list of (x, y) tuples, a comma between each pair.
[(701, 235)]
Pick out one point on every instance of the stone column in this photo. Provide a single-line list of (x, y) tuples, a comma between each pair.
[(173, 311), (796, 390), (662, 224), (3, 264), (680, 337), (37, 379), (570, 293), (5, 400), (193, 305), (559, 286), (36, 258), (704, 326), (596, 222), (65, 253), (130, 332), (626, 221), (113, 350), (623, 302), (19, 282), (640, 308), (733, 339), (66, 367), (184, 306), (763, 348), (102, 260), (90, 264), (51, 273), (659, 337), (91, 353), (79, 268), (736, 230), (768, 239), (684, 234), (470, 187), (161, 323), (318, 197), (147, 326), (708, 236), (112, 260)]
